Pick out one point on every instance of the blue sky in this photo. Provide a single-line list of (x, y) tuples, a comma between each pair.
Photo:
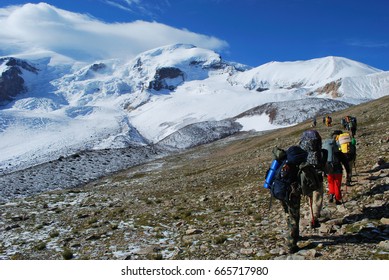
[(255, 32)]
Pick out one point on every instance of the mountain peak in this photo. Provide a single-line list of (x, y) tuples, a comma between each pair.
[(178, 54), (302, 74)]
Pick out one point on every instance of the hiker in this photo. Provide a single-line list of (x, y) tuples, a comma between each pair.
[(333, 169), (347, 144), (350, 123), (311, 142), (294, 177), (328, 121), (292, 204), (343, 122), (313, 122)]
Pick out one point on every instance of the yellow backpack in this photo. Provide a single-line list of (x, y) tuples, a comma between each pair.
[(344, 141)]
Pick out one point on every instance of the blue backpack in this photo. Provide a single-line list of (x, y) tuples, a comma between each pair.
[(287, 174)]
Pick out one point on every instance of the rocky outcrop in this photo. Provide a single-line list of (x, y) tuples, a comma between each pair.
[(330, 89), (15, 62), (97, 67), (167, 78), (200, 133), (11, 82), (279, 113)]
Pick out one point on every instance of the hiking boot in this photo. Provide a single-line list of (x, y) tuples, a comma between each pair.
[(331, 198), (338, 202), (293, 249), (315, 224)]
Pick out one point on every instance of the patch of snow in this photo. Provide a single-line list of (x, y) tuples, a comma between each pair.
[(257, 123)]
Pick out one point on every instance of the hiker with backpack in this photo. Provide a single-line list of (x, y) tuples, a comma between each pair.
[(347, 144), (334, 170), (311, 142), (314, 122), (328, 121), (350, 123), (343, 122), (292, 178)]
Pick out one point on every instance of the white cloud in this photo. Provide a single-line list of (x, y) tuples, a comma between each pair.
[(367, 44), (118, 5), (33, 27), (149, 8)]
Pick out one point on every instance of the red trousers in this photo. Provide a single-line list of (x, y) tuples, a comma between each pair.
[(334, 184)]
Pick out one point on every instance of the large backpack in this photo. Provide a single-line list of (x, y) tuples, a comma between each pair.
[(347, 145), (344, 142), (279, 155), (353, 125), (353, 121), (287, 174), (331, 147), (311, 142), (309, 179), (333, 160), (281, 186)]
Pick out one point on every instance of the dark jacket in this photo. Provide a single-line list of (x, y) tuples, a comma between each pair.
[(336, 167)]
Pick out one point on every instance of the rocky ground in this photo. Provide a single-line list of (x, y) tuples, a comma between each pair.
[(206, 203), (74, 171)]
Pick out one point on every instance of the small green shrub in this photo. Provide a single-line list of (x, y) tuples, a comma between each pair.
[(67, 254), (54, 234), (40, 246), (156, 256), (93, 221), (220, 239)]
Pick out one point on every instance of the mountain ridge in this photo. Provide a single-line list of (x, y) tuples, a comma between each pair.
[(114, 104)]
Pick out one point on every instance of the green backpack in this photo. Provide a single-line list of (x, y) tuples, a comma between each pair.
[(309, 178)]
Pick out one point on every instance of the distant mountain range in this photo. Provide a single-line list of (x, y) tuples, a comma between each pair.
[(178, 96)]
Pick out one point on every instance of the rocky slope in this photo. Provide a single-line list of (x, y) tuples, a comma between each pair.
[(11, 82), (208, 203)]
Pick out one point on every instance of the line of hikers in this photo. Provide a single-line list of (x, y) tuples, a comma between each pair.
[(299, 171), (348, 122)]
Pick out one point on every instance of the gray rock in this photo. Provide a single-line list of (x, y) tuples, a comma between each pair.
[(384, 245)]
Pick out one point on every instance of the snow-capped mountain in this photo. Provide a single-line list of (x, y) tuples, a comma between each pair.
[(301, 74), (55, 109)]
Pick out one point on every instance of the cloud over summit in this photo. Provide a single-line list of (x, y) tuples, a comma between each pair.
[(43, 27)]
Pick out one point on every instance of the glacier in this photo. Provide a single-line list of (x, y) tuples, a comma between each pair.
[(71, 106)]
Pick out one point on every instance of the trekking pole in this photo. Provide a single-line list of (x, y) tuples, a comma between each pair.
[(343, 203), (270, 202), (356, 174)]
